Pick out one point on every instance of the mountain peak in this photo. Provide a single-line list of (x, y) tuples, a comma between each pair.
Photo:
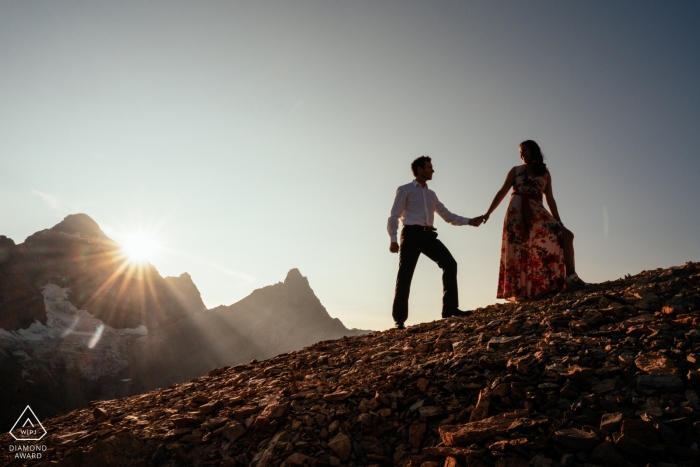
[(184, 288), (293, 274), (79, 223), (295, 279)]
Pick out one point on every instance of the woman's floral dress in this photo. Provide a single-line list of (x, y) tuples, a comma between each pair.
[(532, 259)]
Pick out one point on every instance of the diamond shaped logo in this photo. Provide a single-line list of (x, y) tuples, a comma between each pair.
[(28, 427)]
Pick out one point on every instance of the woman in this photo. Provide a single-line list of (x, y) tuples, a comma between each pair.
[(537, 254)]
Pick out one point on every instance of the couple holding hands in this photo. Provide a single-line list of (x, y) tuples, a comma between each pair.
[(537, 253)]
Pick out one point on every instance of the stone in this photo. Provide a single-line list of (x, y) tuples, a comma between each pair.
[(500, 341), (692, 398), (233, 431), (521, 364), (369, 419), (274, 411), (481, 410), (503, 389), (603, 386), (607, 455), (179, 422), (460, 453), (214, 423), (660, 383), (567, 460), (577, 439), (641, 431), (683, 453), (541, 460), (511, 462), (611, 421), (297, 459), (430, 411), (415, 434), (337, 396), (209, 407), (475, 432), (341, 446), (655, 364), (578, 372), (100, 414), (200, 399), (246, 411)]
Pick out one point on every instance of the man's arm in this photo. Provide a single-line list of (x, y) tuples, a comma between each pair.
[(454, 219), (392, 225)]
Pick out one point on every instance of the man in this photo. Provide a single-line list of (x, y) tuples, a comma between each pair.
[(415, 205)]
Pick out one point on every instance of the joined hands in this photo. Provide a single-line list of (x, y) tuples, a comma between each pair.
[(476, 221)]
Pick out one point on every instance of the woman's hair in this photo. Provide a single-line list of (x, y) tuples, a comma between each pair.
[(537, 163)]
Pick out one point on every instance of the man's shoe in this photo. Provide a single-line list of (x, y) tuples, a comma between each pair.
[(455, 312), (399, 326)]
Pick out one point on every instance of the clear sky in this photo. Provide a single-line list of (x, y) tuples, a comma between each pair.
[(255, 137)]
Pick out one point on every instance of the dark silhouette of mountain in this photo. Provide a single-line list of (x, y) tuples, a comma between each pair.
[(77, 255), (71, 306), (186, 292), (20, 301), (271, 320)]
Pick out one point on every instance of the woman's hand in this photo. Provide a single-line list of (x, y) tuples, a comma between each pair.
[(485, 217)]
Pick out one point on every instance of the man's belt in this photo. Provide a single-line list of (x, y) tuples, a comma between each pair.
[(428, 228)]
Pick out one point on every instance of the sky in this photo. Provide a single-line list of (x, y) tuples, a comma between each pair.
[(248, 138)]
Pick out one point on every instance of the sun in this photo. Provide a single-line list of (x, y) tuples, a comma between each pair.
[(140, 248)]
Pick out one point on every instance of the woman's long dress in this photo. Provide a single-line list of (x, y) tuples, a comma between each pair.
[(532, 259)]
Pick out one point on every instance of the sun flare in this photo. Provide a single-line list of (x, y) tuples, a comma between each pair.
[(140, 248)]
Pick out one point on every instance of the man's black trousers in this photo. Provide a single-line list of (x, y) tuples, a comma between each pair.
[(415, 240)]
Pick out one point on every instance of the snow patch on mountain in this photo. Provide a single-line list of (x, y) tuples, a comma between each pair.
[(71, 339)]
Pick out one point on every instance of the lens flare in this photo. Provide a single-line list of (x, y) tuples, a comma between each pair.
[(140, 248), (96, 337)]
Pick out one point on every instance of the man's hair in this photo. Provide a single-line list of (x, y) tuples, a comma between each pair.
[(419, 162)]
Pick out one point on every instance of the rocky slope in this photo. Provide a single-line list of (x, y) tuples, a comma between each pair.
[(605, 376)]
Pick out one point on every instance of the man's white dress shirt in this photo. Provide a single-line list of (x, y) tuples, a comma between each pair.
[(416, 205)]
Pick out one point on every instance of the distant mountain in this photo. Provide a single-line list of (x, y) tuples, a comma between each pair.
[(76, 254), (71, 307), (271, 320), (186, 292), (79, 323)]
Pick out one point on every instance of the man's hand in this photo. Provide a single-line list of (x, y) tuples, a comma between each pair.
[(394, 247), (476, 221)]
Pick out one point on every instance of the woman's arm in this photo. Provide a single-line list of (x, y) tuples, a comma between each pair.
[(550, 199), (507, 185)]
